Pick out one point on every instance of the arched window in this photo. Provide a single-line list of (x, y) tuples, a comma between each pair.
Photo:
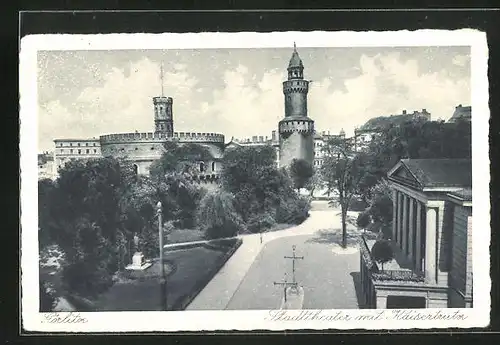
[(202, 167), (213, 166), (136, 169)]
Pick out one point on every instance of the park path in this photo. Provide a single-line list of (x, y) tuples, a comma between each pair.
[(219, 291)]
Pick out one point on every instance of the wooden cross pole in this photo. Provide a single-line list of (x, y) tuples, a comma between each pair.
[(294, 257), (285, 285)]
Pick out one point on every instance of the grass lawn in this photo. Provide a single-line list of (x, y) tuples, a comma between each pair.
[(185, 235), (190, 270)]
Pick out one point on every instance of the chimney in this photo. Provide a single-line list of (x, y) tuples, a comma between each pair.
[(404, 111), (261, 138), (273, 135), (424, 111), (328, 132), (254, 139)]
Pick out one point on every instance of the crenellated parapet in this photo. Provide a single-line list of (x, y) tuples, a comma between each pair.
[(300, 126), (161, 136)]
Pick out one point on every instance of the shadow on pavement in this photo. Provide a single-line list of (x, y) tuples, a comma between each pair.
[(330, 236), (356, 278)]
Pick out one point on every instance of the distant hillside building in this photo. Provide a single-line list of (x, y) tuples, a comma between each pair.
[(364, 135), (45, 166), (462, 113)]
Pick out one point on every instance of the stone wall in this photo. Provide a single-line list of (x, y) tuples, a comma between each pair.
[(296, 146), (461, 271)]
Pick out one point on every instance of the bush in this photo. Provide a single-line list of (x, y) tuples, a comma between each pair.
[(363, 220), (47, 298), (260, 222), (217, 216), (382, 252), (293, 210), (87, 279)]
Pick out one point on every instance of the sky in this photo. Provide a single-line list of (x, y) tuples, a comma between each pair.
[(238, 92)]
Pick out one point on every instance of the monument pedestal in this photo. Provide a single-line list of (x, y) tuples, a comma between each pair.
[(294, 298), (138, 262)]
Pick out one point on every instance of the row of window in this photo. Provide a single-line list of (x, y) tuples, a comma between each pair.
[(78, 144), (80, 151)]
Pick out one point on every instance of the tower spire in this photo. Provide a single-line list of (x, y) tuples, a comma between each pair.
[(294, 47), (161, 77)]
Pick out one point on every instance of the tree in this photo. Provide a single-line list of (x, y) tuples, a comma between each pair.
[(382, 252), (85, 220), (217, 215), (342, 171), (315, 182), (46, 298), (363, 220), (183, 159), (301, 172)]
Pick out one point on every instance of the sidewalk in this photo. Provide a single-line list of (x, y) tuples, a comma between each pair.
[(219, 291)]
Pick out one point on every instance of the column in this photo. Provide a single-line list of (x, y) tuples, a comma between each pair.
[(394, 214), (400, 217), (430, 245), (411, 230), (381, 302), (418, 241), (405, 225)]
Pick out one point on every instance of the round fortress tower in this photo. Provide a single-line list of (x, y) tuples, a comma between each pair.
[(164, 122), (296, 130)]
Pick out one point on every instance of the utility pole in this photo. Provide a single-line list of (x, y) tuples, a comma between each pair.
[(161, 78), (294, 257), (163, 281)]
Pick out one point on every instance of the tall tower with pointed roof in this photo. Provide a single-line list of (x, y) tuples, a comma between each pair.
[(296, 130), (164, 122)]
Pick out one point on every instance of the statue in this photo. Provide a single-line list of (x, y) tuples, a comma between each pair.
[(136, 242)]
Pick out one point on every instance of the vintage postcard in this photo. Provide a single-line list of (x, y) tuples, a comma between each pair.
[(254, 181)]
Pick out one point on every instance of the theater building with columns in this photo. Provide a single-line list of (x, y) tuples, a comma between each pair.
[(431, 239)]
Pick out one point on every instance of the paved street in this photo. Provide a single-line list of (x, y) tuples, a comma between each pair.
[(246, 281)]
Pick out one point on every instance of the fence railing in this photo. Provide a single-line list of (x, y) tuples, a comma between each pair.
[(387, 275)]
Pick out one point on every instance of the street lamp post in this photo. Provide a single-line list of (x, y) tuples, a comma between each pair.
[(163, 281)]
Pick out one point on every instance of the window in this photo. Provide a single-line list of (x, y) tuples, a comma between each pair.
[(79, 152), (95, 151), (70, 144), (136, 149), (88, 151), (136, 169), (202, 167), (78, 144), (86, 144), (94, 144), (213, 166), (71, 151), (62, 151)]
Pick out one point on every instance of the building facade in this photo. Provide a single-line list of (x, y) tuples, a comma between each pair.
[(431, 239), (296, 130)]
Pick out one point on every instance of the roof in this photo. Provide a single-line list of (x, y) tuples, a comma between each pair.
[(433, 173), (461, 112), (295, 60), (463, 194)]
